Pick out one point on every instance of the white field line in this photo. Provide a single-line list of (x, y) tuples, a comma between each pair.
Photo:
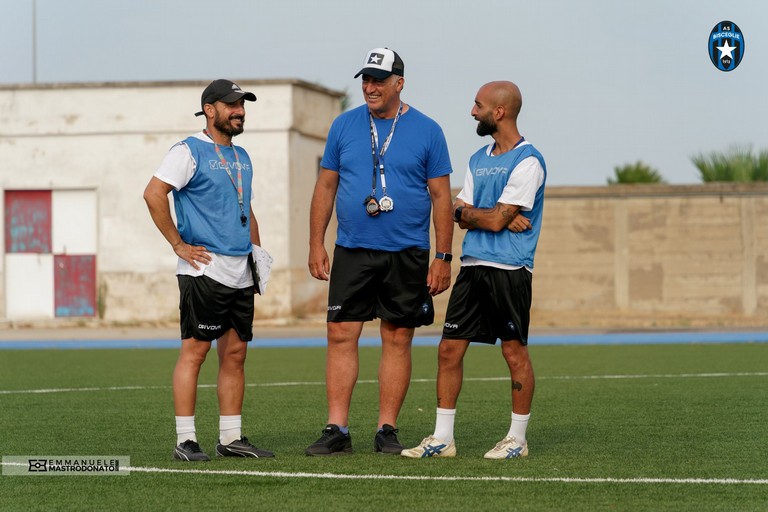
[(351, 476), (369, 381), (348, 476)]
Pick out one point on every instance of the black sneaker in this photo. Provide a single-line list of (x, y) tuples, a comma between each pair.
[(189, 451), (386, 441), (241, 448), (332, 442)]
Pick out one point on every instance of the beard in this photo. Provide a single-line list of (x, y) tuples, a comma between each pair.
[(225, 125), (486, 128)]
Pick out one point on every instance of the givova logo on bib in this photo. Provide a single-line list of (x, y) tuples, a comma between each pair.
[(726, 46)]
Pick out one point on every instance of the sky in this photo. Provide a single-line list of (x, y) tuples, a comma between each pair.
[(605, 83)]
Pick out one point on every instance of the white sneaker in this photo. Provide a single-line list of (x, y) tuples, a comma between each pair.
[(507, 448), (431, 447)]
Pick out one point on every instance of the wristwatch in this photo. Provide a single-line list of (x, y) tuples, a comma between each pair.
[(457, 213), (445, 256)]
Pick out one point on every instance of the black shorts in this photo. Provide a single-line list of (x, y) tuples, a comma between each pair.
[(208, 309), (367, 284), (487, 304)]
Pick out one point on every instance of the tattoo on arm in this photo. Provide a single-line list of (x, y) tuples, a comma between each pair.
[(473, 216), (508, 213), (517, 386)]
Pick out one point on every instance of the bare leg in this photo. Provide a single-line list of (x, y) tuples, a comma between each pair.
[(450, 371), (341, 369), (231, 380), (521, 371), (394, 371), (185, 374)]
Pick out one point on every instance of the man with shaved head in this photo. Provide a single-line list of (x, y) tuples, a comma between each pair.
[(501, 207)]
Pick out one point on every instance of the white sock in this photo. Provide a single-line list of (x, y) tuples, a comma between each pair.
[(230, 428), (518, 427), (185, 429), (444, 424)]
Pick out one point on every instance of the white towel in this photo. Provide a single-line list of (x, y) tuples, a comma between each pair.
[(263, 262)]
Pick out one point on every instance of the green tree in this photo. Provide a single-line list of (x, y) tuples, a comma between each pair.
[(635, 173), (346, 101), (737, 164)]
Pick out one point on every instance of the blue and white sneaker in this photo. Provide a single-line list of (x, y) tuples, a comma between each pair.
[(507, 448), (431, 447)]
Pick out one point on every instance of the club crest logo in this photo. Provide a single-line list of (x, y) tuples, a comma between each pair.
[(726, 46)]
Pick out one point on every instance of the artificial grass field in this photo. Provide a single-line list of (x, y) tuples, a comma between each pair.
[(638, 427)]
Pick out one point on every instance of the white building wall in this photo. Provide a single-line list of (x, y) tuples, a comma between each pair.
[(111, 137), (29, 286), (74, 222)]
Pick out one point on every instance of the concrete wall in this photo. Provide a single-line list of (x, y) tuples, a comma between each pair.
[(653, 255), (111, 138), (609, 257), (640, 256)]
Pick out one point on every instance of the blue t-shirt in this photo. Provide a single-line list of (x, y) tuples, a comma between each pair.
[(417, 152), (506, 247), (207, 210)]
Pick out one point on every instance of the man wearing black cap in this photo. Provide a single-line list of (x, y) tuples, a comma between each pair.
[(386, 167), (215, 228)]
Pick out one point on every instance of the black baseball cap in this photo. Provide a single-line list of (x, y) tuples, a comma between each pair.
[(223, 90), (381, 63)]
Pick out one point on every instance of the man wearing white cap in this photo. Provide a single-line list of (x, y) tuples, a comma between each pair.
[(386, 166)]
